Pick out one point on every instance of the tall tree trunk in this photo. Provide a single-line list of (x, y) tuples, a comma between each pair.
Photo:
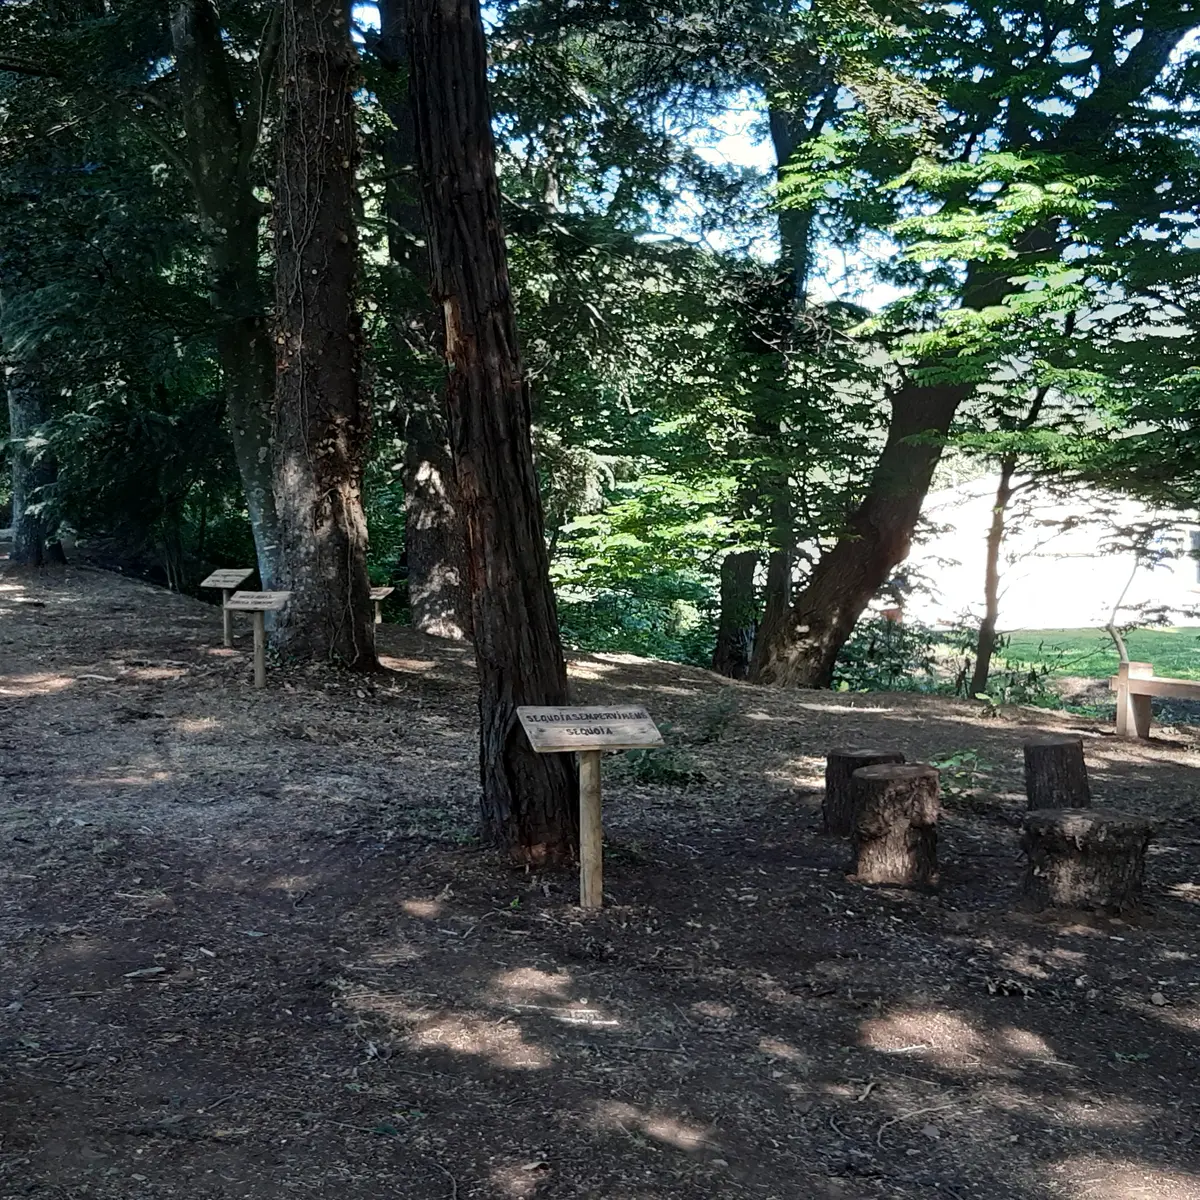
[(529, 801), (802, 650), (33, 471), (322, 424), (433, 530), (434, 542), (991, 582), (220, 136), (738, 616)]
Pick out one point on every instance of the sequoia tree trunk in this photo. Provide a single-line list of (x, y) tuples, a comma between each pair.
[(991, 582), (33, 471), (220, 136), (801, 651), (322, 424), (737, 619), (529, 801), (433, 531)]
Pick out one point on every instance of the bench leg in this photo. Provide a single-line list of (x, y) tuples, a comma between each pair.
[(1141, 715)]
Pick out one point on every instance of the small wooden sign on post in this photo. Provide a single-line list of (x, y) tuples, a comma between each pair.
[(380, 594), (258, 603), (589, 732), (228, 581)]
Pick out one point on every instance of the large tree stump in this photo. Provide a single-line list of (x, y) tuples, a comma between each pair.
[(837, 809), (1056, 774), (1078, 858), (895, 823)]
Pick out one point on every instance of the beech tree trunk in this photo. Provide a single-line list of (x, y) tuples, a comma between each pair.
[(33, 472), (529, 801), (991, 582), (220, 136), (322, 424), (737, 619), (433, 530), (802, 649)]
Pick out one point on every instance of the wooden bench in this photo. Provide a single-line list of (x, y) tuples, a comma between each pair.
[(1135, 683)]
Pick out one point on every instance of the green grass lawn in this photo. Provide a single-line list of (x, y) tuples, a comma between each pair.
[(1090, 652)]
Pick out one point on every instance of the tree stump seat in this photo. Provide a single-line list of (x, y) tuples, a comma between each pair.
[(1084, 858), (1056, 773), (837, 809), (896, 811)]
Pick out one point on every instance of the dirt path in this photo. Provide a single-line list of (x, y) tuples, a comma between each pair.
[(249, 949)]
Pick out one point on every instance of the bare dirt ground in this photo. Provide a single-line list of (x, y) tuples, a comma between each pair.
[(248, 947)]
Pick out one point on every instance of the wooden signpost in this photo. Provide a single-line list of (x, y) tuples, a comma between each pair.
[(588, 732), (380, 594), (258, 603), (228, 581)]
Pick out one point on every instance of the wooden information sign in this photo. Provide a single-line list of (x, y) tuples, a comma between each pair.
[(258, 603), (589, 731), (227, 581), (379, 594)]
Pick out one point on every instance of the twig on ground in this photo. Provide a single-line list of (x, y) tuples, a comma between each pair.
[(916, 1112)]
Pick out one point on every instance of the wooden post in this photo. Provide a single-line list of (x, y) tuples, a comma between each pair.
[(260, 649), (1056, 773), (591, 832), (1133, 712), (227, 616)]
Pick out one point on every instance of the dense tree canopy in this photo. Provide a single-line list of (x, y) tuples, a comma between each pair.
[(768, 262)]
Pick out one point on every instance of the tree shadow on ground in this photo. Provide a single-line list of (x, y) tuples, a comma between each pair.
[(243, 954)]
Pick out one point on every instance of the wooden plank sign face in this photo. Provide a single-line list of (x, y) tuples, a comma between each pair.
[(258, 601), (381, 593), (227, 579), (553, 730)]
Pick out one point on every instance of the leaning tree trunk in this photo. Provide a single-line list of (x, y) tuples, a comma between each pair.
[(322, 424), (801, 651), (33, 471), (219, 140), (991, 582), (434, 540), (529, 801), (736, 621)]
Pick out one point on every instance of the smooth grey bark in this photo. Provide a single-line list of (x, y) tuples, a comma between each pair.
[(221, 134)]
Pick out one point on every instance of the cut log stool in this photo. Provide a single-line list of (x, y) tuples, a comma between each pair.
[(1084, 858), (837, 809), (896, 810), (1056, 774)]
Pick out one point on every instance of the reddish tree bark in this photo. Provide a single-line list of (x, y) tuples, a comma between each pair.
[(529, 801)]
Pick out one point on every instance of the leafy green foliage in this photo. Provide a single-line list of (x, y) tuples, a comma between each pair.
[(884, 655)]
